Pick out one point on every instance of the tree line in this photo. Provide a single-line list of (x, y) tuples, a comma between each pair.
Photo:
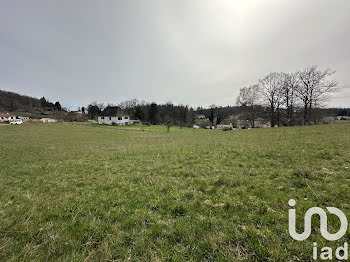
[(291, 99), (279, 98), (150, 113)]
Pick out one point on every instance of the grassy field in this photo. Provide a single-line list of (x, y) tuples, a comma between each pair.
[(82, 192)]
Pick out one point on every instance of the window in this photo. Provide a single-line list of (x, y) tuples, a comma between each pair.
[(120, 118), (102, 117), (110, 118), (126, 117)]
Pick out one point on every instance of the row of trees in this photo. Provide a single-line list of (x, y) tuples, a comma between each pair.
[(286, 94), (49, 105), (281, 98), (151, 113)]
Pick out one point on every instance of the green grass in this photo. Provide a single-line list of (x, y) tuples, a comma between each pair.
[(83, 192)]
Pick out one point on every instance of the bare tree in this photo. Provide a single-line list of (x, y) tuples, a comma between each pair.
[(128, 104), (212, 113), (249, 97), (271, 90), (314, 88), (289, 87)]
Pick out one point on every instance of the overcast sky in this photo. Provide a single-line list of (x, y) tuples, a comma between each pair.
[(189, 52)]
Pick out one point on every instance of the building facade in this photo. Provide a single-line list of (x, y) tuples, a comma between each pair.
[(114, 115)]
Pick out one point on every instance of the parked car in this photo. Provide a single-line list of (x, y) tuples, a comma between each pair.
[(16, 122)]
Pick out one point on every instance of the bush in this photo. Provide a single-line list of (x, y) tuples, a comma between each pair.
[(202, 123), (74, 117)]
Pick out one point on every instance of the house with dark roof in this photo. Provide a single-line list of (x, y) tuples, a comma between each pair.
[(114, 115)]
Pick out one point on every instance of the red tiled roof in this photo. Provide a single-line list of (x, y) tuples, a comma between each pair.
[(6, 115)]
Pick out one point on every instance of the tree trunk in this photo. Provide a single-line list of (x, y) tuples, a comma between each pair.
[(272, 115), (287, 105), (305, 113), (310, 114), (253, 117)]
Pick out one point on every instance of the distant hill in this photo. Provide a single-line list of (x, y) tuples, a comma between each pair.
[(10, 101), (29, 106)]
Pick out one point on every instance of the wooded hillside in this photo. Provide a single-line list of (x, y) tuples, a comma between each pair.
[(13, 102)]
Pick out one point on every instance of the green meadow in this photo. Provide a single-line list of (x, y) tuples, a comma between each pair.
[(83, 192)]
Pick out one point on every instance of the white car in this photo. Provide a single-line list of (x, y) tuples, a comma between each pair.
[(16, 122)]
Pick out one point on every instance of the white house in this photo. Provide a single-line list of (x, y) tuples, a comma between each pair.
[(48, 120), (114, 115), (6, 117), (230, 126), (24, 117)]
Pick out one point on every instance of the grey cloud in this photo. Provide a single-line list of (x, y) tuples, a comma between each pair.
[(192, 52)]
